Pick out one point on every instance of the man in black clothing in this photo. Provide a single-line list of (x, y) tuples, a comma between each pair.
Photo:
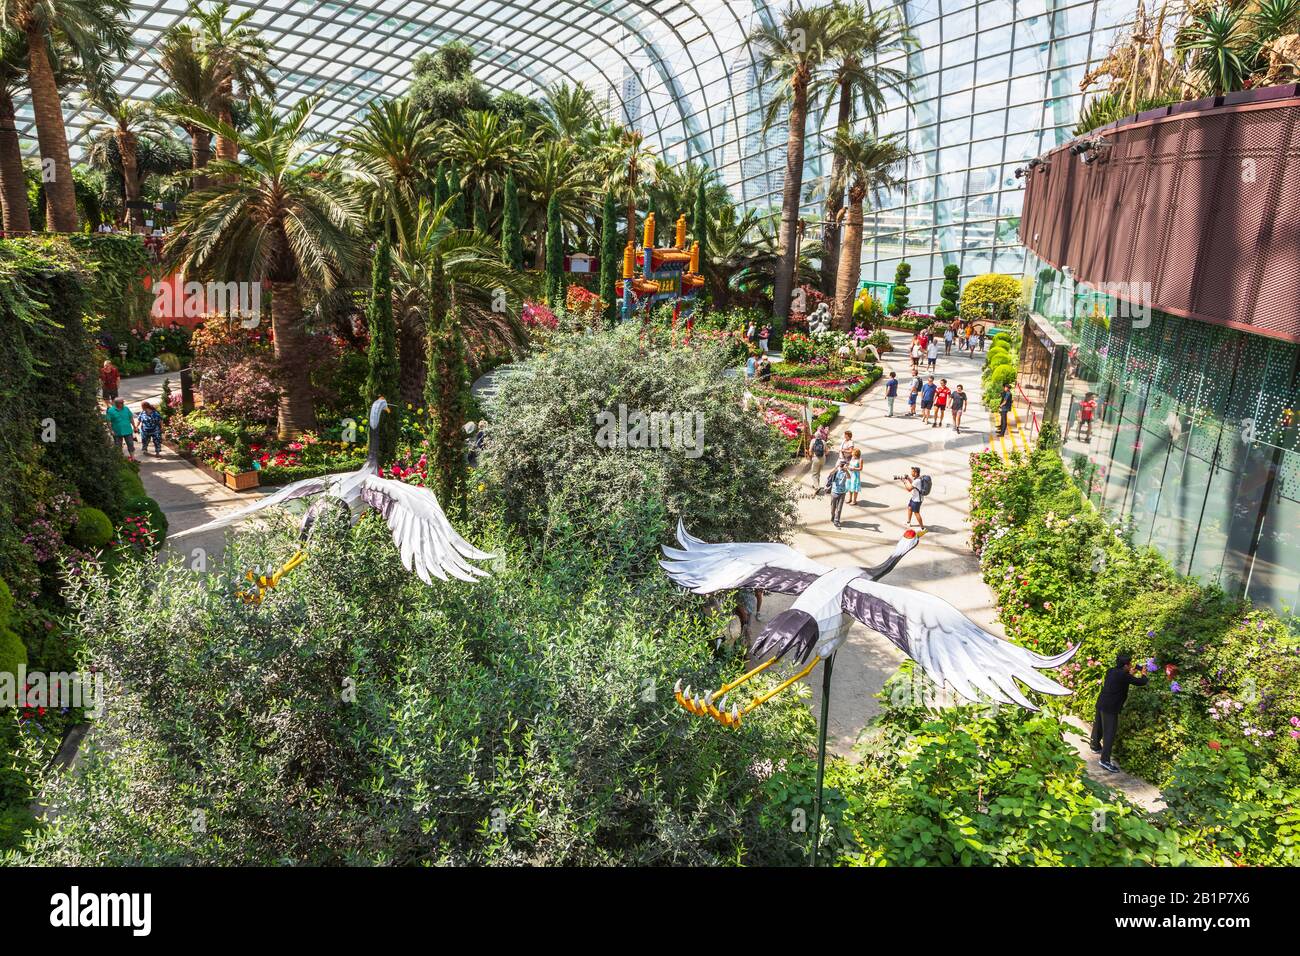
[(1004, 406), (1114, 691)]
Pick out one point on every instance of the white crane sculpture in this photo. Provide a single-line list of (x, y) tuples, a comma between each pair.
[(430, 547), (951, 649)]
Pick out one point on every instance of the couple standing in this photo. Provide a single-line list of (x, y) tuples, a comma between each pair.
[(846, 480)]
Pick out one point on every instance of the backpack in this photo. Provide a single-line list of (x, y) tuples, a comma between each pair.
[(924, 486), (818, 447)]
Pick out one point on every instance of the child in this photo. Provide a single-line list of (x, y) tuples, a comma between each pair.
[(855, 475), (150, 428), (941, 402)]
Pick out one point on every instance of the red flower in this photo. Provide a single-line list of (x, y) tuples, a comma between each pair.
[(1215, 745)]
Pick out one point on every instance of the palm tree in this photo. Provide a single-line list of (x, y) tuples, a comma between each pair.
[(570, 111), (13, 178), (867, 165), (790, 54), (391, 155), (622, 155), (434, 261), (241, 61), (557, 168), (484, 150), (1215, 49), (124, 121), (674, 189), (192, 82), (92, 32), (857, 86), (276, 219)]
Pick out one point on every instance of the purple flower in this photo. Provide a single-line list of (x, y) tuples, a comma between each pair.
[(1151, 665), (1175, 687)]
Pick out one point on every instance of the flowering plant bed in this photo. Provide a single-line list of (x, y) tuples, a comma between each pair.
[(1222, 673), (786, 416), (842, 385)]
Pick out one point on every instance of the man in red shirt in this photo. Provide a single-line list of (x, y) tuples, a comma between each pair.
[(108, 379), (940, 401), (1087, 408)]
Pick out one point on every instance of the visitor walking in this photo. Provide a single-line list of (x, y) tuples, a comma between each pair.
[(838, 484), (855, 475), (912, 396), (958, 402), (846, 446), (928, 391), (891, 393), (1087, 408), (932, 353), (1114, 692), (979, 331), (108, 379), (917, 488), (817, 456), (1004, 407), (947, 340), (122, 423), (940, 402), (150, 423)]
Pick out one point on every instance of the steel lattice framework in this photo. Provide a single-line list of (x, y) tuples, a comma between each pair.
[(996, 82)]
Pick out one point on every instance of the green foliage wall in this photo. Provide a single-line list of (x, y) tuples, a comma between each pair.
[(116, 267), (611, 259), (512, 241), (383, 375)]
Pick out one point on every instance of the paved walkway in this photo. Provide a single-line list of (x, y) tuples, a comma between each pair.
[(942, 565), (187, 496)]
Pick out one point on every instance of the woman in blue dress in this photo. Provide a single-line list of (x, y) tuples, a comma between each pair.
[(855, 475)]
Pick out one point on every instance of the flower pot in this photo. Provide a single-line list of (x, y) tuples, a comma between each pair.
[(242, 481)]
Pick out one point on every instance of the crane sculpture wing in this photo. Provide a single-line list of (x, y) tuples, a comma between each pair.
[(290, 492), (429, 545), (705, 568), (951, 648)]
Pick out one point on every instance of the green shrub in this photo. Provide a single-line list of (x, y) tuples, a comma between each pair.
[(991, 298), (146, 507), (1224, 671), (129, 484), (93, 529), (546, 464), (524, 719), (12, 650)]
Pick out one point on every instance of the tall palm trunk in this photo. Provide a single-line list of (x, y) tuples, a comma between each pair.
[(835, 199), (793, 189), (200, 152), (60, 196), (296, 412), (227, 149), (850, 265), (413, 367), (632, 237), (126, 150), (13, 182)]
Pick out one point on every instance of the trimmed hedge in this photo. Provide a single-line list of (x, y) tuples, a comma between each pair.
[(93, 529), (1222, 671)]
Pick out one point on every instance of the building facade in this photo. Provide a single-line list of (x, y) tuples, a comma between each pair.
[(1164, 289)]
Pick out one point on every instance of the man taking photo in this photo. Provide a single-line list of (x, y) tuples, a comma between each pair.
[(1114, 692)]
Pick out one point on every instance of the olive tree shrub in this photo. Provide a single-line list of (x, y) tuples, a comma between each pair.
[(604, 440), (358, 716)]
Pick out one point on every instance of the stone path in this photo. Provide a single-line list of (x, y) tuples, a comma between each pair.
[(187, 496), (942, 565)]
